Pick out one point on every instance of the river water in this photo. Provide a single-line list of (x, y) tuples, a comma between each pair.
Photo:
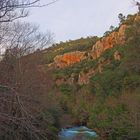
[(77, 133)]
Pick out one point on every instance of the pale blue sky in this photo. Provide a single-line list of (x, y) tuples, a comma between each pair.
[(72, 19)]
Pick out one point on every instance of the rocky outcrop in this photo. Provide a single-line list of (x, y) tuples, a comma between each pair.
[(72, 79), (117, 55), (108, 42), (84, 78), (68, 59)]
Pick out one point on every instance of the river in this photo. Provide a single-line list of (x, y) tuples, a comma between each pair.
[(77, 133)]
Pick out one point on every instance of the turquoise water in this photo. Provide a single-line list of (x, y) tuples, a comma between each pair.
[(77, 133)]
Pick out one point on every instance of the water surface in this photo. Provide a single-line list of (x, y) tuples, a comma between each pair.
[(77, 133)]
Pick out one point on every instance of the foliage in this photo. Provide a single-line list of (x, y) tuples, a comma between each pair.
[(115, 117), (121, 18)]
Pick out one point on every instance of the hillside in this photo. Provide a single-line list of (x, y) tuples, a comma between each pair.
[(90, 81), (99, 83)]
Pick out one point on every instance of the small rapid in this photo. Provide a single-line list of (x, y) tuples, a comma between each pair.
[(77, 133)]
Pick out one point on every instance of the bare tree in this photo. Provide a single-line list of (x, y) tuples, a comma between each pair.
[(24, 38), (18, 40), (14, 9), (21, 86), (20, 115), (21, 82)]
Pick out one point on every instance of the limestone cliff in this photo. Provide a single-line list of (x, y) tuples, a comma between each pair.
[(61, 61), (108, 42), (68, 59)]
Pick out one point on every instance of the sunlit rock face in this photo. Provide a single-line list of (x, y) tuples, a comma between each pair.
[(71, 58), (68, 59), (108, 42)]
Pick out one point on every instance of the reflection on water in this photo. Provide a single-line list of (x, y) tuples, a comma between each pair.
[(77, 133)]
